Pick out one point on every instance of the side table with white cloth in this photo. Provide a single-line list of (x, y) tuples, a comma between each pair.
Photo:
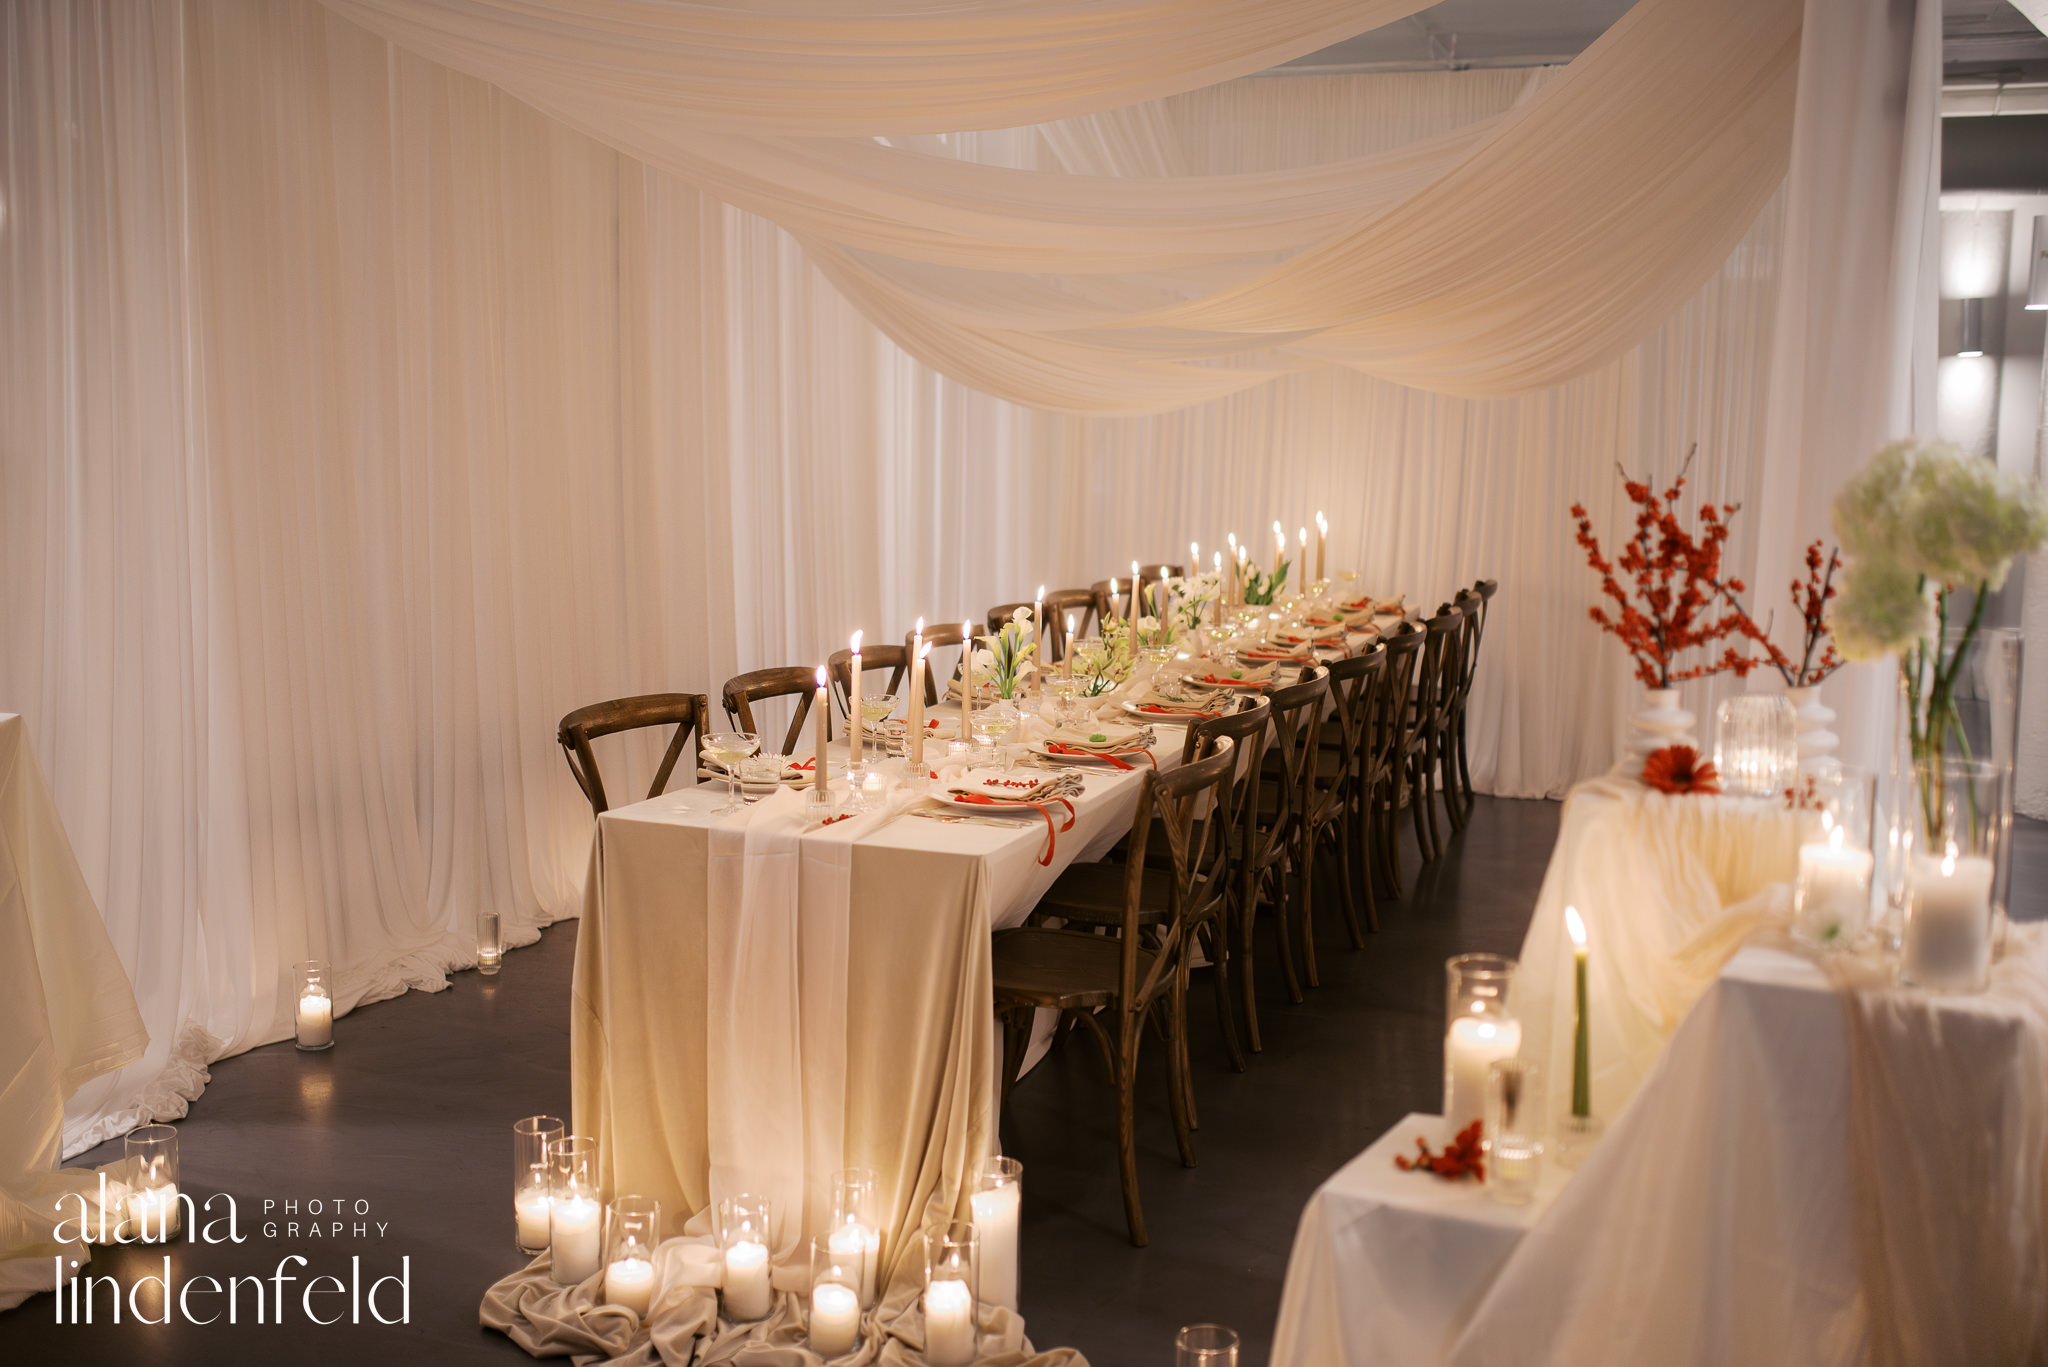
[(67, 1015)]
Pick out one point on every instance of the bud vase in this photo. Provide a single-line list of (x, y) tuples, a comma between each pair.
[(1659, 722), (1816, 720)]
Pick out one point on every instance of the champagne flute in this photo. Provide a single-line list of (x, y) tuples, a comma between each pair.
[(874, 710), (728, 748)]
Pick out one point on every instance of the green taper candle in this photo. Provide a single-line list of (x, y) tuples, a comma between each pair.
[(1582, 1073)]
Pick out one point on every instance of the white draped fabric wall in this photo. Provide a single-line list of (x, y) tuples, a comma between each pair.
[(357, 421)]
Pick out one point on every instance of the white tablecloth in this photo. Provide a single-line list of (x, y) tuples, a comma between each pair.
[(67, 1015), (921, 1041), (1388, 1265)]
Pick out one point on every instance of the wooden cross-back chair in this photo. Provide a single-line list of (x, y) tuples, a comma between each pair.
[(1391, 741), (742, 691), (1245, 729), (1152, 574), (684, 711), (1112, 986), (1429, 713), (873, 659), (1283, 801), (1483, 590), (1334, 793)]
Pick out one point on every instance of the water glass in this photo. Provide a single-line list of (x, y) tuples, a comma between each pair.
[(1756, 744), (1514, 1130), (1205, 1345)]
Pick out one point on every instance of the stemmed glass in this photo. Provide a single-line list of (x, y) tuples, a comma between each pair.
[(874, 710), (729, 748), (992, 725)]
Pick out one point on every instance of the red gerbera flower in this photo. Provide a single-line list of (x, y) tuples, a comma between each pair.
[(1679, 769)]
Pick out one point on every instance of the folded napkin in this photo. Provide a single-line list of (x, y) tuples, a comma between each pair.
[(1174, 709), (1315, 632), (1042, 796), (1277, 654)]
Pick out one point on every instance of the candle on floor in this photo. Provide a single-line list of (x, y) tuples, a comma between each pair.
[(747, 1292), (1322, 535), (530, 1208), (630, 1282), (1947, 942), (949, 1337), (1582, 1069), (1472, 1043), (853, 1245), (823, 704), (573, 1233), (997, 1209), (313, 1026), (853, 717), (156, 1212), (1833, 902), (835, 1319)]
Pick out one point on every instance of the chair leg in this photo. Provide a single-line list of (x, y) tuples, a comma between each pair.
[(1216, 943), (1390, 828), (1308, 921), (1017, 1023), (1429, 797), (1180, 1088), (1416, 802), (1127, 1125), (1339, 828), (1471, 798), (1362, 837), (1283, 928), (1246, 916)]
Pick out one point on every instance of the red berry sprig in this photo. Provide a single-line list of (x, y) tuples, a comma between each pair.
[(1460, 1158)]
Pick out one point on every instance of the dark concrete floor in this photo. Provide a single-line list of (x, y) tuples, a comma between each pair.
[(409, 1114)]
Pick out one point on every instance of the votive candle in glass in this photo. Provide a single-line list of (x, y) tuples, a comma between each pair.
[(1513, 1134), (855, 1231), (314, 1022), (1831, 906), (835, 1300), (998, 1205), (1961, 815), (1205, 1345), (490, 944), (154, 1205), (1479, 1029), (634, 1234), (746, 1232), (532, 1179), (952, 1297), (575, 1215)]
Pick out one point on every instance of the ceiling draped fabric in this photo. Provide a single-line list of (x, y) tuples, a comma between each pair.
[(1496, 260)]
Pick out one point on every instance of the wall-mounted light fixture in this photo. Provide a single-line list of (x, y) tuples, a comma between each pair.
[(2037, 274), (1971, 341)]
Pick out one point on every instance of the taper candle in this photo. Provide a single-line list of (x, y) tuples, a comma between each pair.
[(1279, 546), (1301, 554), (1038, 626), (1582, 1075), (820, 780), (966, 678), (853, 718), (913, 741), (1134, 593), (1322, 536)]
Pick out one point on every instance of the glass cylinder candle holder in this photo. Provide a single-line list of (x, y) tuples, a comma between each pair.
[(1960, 820), (1831, 905), (154, 1208), (856, 1226), (1514, 1130), (533, 1179), (633, 1232), (998, 1206), (1479, 1029), (1756, 744), (315, 1019), (575, 1215), (952, 1296), (490, 943), (835, 1302), (1205, 1345), (745, 1234)]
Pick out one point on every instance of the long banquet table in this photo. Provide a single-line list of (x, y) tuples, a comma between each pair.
[(921, 1043)]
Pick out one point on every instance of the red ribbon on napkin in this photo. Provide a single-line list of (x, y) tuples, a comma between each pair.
[(1044, 810), (1053, 747), (1233, 683), (1156, 710)]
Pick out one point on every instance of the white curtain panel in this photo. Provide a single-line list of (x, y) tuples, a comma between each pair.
[(1512, 258), (357, 421)]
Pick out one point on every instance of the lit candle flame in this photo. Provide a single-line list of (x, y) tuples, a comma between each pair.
[(821, 676), (856, 642), (1302, 534), (1194, 556), (920, 626), (1322, 525), (1575, 927), (1835, 838), (1948, 861)]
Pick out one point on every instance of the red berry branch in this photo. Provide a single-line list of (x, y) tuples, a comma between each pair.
[(1462, 1157), (1676, 600), (1811, 598)]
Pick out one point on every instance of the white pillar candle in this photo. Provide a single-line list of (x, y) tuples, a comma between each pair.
[(573, 1228), (1472, 1043), (835, 1319), (630, 1282), (1948, 926), (949, 1337), (316, 1020), (156, 1212), (853, 718), (1834, 891), (530, 1208), (856, 1245), (747, 1293), (995, 1224)]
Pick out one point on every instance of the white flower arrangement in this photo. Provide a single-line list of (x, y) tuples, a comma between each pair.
[(1100, 666), (1010, 659)]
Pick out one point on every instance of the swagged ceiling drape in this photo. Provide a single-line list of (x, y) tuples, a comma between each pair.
[(357, 420), (1496, 261)]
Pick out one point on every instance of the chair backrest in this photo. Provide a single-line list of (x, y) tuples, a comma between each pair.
[(1355, 682), (742, 691), (1198, 858), (1297, 731), (895, 659), (1149, 575), (1107, 604), (684, 711), (1437, 679), (1003, 612), (1469, 606), (1386, 726), (1246, 729), (938, 637), (1485, 588), (1085, 604)]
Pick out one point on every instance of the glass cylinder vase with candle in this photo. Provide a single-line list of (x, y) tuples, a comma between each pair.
[(952, 1296), (1831, 906), (1479, 1029), (745, 1234), (855, 1231), (998, 1208), (490, 943), (1756, 744), (1513, 1133), (1205, 1345), (633, 1234), (314, 1021), (1962, 817), (835, 1301), (575, 1215), (154, 1208), (533, 1179)]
